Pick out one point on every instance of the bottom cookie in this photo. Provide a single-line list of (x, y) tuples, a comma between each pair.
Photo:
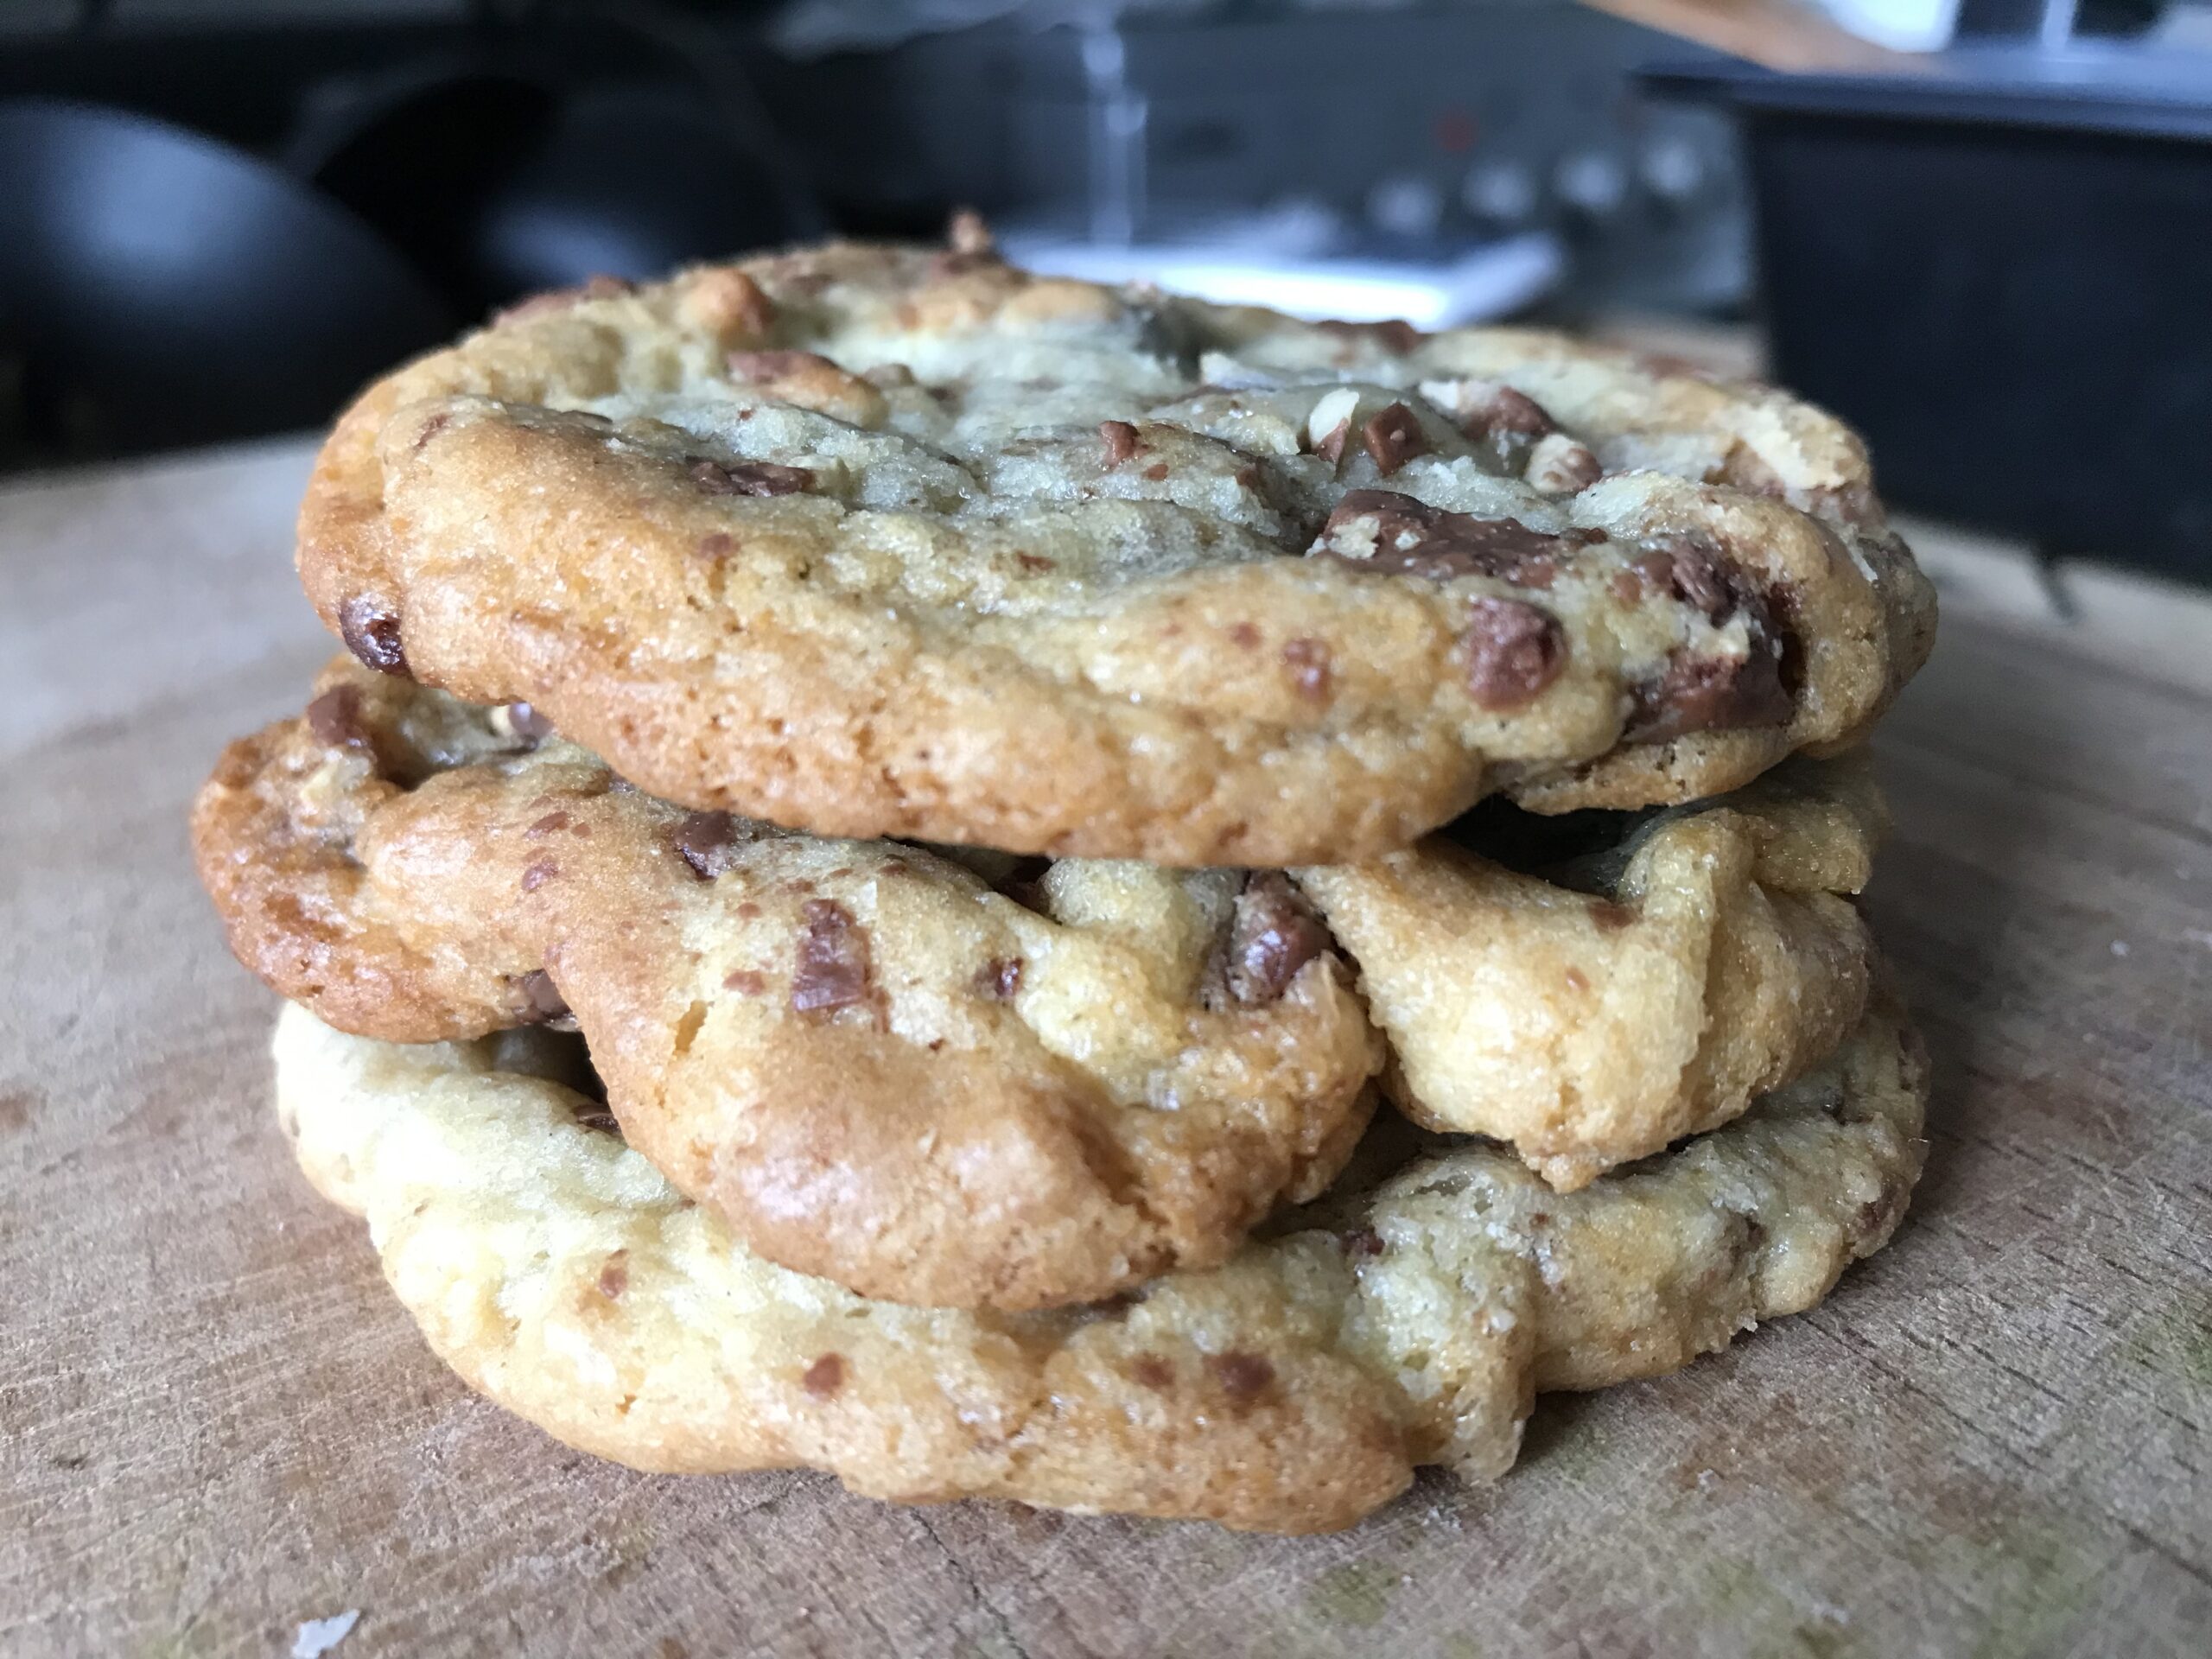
[(1295, 1390)]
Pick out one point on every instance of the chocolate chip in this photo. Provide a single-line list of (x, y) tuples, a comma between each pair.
[(715, 546), (1121, 439), (1271, 934), (1152, 1371), (1157, 471), (551, 823), (335, 719), (615, 1276), (1508, 411), (1609, 917), (1415, 539), (825, 1376), (541, 1001), (832, 968), (1708, 694), (1308, 663), (775, 365), (1331, 447), (745, 981), (1693, 575), (537, 873), (370, 631), (601, 1121), (1559, 465), (1508, 423), (708, 842), (1514, 650), (526, 722), (1243, 1378), (1361, 1241), (999, 977), (1393, 437), (749, 478)]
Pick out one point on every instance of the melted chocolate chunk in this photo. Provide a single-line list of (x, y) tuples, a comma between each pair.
[(824, 1377), (1393, 437), (708, 842), (832, 968), (1514, 650), (1711, 694), (1704, 694), (1415, 539), (1121, 439), (370, 631), (334, 718), (749, 478), (1272, 935), (1696, 575)]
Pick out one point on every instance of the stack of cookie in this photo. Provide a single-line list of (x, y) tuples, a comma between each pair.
[(1004, 886)]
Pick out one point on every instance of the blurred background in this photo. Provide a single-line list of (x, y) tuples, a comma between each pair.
[(1981, 230)]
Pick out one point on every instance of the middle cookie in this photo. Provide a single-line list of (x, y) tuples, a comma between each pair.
[(878, 1066)]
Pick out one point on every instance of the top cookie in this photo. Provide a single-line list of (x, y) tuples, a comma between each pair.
[(877, 542)]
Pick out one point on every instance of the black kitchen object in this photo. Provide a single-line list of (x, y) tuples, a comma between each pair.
[(157, 287), (2001, 271)]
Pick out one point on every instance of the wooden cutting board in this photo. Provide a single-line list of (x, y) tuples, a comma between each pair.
[(215, 1424)]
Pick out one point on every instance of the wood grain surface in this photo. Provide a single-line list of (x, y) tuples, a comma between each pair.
[(215, 1424)]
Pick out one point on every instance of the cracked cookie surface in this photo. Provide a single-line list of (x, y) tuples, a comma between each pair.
[(879, 542), (1594, 988), (876, 1065), (1294, 1388)]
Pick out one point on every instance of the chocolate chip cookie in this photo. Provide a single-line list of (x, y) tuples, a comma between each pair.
[(1294, 1388), (1006, 1083), (880, 542), (1593, 987)]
